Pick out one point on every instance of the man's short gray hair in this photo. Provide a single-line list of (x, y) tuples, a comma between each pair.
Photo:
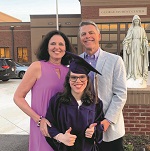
[(88, 22)]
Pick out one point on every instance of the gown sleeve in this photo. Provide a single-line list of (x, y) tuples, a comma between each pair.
[(51, 116), (98, 134)]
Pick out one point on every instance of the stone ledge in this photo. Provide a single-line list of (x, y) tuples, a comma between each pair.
[(138, 96)]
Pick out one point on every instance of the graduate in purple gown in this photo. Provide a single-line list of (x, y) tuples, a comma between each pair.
[(76, 113)]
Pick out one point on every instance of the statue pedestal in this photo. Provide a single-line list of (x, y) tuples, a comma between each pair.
[(138, 83)]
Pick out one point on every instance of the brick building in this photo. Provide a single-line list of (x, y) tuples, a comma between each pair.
[(15, 41)]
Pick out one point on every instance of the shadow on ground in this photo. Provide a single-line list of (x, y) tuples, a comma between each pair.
[(14, 142)]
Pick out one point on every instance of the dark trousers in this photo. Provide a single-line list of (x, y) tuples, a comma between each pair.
[(116, 145)]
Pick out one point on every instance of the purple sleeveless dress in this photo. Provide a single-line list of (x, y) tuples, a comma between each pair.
[(42, 91)]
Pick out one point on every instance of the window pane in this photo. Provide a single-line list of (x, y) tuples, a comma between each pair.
[(148, 35), (99, 26), (129, 25), (105, 27), (105, 37), (121, 47), (112, 48), (74, 40), (25, 55), (113, 37), (122, 27), (113, 27), (2, 52), (147, 26), (19, 57), (142, 25), (122, 36), (22, 54), (7, 52)]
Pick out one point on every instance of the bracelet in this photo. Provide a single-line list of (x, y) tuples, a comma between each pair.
[(39, 122)]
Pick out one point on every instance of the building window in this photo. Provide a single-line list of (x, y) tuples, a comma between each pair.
[(129, 25), (4, 52), (73, 40), (113, 34), (109, 37), (122, 36), (122, 27), (147, 26), (110, 47), (148, 35), (105, 27), (113, 27), (22, 54), (99, 26), (113, 37), (104, 37)]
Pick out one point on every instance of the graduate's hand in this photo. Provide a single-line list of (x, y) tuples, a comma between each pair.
[(106, 124), (67, 138), (43, 127), (90, 131)]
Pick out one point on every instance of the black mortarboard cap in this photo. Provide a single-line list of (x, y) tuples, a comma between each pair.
[(79, 65)]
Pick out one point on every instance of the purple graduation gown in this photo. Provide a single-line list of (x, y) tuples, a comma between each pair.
[(65, 115)]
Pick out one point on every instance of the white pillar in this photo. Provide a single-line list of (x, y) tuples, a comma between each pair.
[(57, 24)]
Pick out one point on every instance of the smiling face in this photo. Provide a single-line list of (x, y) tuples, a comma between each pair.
[(89, 38), (78, 83), (56, 48)]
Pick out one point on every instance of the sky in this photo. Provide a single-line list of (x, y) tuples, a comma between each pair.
[(22, 9)]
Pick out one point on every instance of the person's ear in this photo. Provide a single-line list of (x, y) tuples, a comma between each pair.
[(99, 37)]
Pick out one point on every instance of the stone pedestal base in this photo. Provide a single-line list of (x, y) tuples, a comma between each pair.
[(138, 83)]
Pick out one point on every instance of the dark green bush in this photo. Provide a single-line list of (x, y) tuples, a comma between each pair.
[(135, 143)]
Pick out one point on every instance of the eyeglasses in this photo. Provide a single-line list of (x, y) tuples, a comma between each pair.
[(82, 78)]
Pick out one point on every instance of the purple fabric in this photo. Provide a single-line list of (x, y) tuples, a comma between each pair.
[(44, 88), (66, 115)]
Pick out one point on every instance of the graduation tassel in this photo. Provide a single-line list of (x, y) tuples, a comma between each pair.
[(96, 89)]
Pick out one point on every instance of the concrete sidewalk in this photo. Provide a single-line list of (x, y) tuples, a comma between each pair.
[(14, 142), (14, 124)]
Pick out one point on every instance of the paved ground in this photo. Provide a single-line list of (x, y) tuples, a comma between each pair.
[(14, 124)]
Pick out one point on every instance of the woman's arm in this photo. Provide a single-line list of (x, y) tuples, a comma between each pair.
[(31, 76), (29, 79)]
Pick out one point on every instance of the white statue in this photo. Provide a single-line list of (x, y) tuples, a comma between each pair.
[(135, 54)]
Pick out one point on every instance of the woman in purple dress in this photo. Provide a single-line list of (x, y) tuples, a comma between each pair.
[(76, 113), (44, 78)]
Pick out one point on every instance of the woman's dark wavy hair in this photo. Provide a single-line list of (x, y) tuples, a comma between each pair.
[(87, 98), (42, 52)]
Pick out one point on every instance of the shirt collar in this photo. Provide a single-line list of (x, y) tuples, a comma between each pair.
[(94, 56)]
